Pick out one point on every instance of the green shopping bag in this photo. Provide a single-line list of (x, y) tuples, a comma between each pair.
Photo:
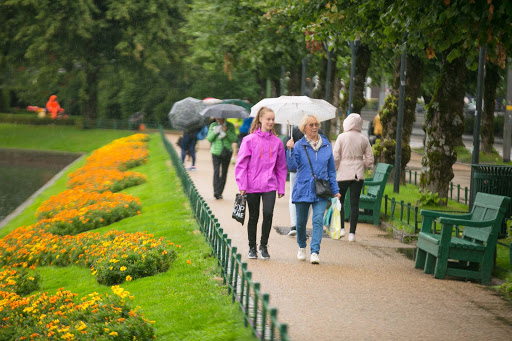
[(335, 223), (328, 215)]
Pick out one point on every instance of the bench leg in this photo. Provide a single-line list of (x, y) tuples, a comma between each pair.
[(430, 264), (376, 217), (420, 259), (486, 269), (441, 268)]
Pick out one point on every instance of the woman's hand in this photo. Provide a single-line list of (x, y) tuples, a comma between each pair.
[(242, 192), (280, 195), (338, 196), (290, 144)]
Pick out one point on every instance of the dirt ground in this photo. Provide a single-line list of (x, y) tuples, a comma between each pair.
[(367, 290)]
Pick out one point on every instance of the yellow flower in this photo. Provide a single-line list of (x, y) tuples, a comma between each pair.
[(123, 268), (113, 334), (128, 278)]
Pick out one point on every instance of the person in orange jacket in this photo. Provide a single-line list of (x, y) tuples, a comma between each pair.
[(53, 107)]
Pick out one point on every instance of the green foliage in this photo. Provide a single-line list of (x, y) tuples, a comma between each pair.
[(34, 120), (428, 198), (19, 279)]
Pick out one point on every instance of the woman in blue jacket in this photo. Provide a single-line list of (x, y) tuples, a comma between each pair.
[(319, 150)]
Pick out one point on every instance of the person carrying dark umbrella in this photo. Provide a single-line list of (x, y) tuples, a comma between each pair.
[(221, 135)]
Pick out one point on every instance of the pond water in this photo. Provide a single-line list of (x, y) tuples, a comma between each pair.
[(23, 172)]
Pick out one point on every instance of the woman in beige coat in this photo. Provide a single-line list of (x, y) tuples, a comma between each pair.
[(352, 156)]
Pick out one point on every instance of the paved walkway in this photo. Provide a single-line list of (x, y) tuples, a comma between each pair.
[(365, 290)]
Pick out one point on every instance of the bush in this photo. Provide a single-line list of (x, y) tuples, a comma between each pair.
[(65, 317), (34, 120), (19, 279), (498, 122)]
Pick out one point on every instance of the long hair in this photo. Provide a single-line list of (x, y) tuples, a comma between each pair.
[(256, 122)]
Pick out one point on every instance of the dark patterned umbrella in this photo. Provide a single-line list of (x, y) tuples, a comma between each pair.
[(239, 102), (225, 111), (184, 114)]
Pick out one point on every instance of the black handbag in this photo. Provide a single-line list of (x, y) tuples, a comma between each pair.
[(239, 208), (322, 186)]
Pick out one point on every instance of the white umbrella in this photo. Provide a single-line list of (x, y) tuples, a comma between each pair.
[(291, 109)]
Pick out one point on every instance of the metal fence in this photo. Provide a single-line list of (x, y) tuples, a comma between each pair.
[(253, 303), (455, 191)]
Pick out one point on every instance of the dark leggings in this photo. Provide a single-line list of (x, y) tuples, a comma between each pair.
[(253, 203), (355, 190), (188, 143)]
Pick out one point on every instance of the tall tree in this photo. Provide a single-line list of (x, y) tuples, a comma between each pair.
[(83, 37), (455, 30), (385, 149)]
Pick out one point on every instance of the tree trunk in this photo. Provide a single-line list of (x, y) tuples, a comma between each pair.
[(444, 127), (90, 91), (492, 78), (333, 97), (294, 82), (363, 59), (385, 151)]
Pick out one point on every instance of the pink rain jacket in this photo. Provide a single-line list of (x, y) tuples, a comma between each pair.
[(261, 164), (352, 151)]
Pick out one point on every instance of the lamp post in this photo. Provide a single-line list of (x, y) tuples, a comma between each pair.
[(478, 114), (401, 98)]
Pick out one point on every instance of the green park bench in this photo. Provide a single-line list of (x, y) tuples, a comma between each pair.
[(371, 198), (467, 254)]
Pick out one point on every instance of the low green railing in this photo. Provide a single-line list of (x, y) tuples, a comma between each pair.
[(254, 304), (458, 189)]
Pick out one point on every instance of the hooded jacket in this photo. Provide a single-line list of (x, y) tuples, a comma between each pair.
[(219, 143), (323, 167), (53, 106), (352, 151), (261, 163)]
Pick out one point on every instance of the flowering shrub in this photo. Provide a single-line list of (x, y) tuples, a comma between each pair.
[(105, 169), (75, 211), (101, 180), (17, 278), (56, 239), (113, 257), (65, 317)]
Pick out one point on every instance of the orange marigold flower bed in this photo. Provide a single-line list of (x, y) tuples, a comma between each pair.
[(64, 316)]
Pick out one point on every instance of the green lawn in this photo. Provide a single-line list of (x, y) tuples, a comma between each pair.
[(187, 302), (52, 137), (465, 156)]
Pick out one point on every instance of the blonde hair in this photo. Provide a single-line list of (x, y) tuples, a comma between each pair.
[(256, 122), (305, 120)]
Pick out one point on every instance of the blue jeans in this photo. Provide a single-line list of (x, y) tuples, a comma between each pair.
[(318, 228)]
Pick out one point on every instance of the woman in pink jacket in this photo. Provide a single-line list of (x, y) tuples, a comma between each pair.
[(352, 156), (260, 171)]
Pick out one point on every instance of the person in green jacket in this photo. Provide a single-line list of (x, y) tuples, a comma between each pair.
[(222, 135)]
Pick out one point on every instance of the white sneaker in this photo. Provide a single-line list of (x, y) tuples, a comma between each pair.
[(301, 255), (314, 259), (351, 237), (342, 233), (293, 232)]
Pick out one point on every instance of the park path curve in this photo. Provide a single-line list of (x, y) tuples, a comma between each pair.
[(365, 290)]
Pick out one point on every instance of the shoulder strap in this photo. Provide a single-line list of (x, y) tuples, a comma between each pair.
[(306, 150)]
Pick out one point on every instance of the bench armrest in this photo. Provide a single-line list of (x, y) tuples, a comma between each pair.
[(464, 222), (441, 214)]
